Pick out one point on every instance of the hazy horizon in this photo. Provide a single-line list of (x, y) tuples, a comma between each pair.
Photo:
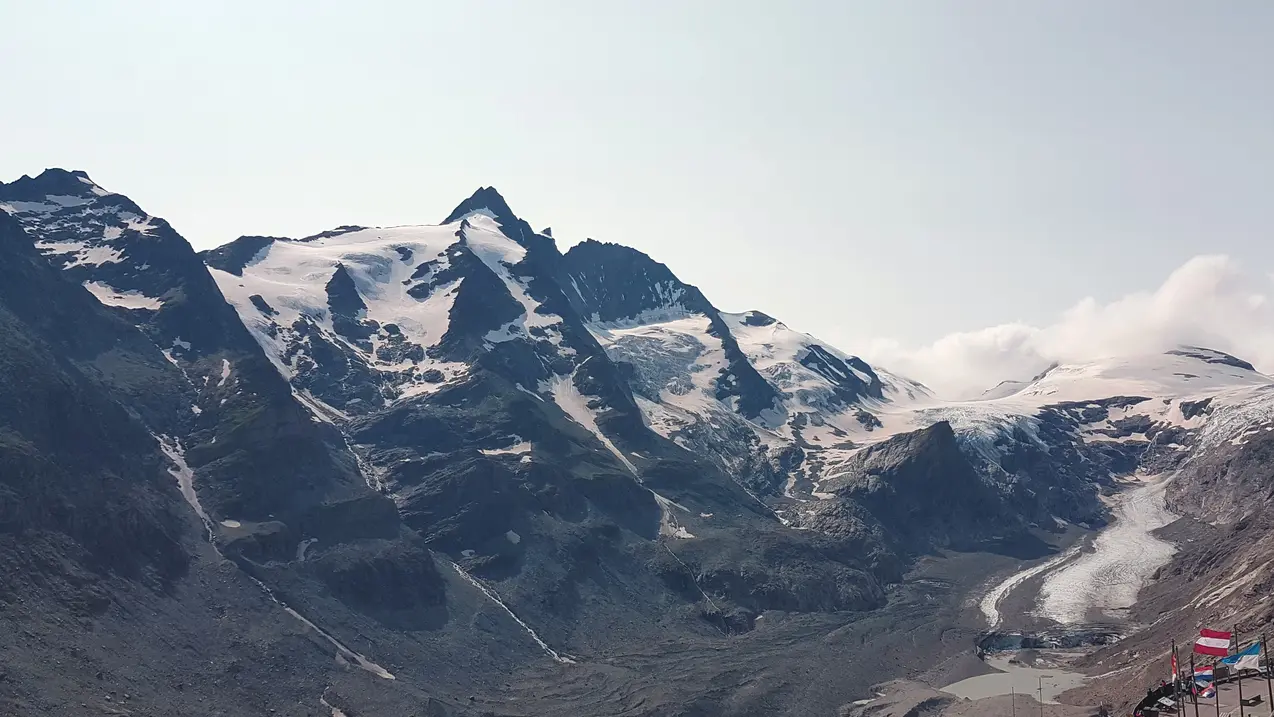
[(961, 194)]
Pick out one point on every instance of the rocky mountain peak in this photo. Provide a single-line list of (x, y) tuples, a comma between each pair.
[(936, 441), (1212, 356), (487, 200), (610, 282), (944, 497), (51, 182)]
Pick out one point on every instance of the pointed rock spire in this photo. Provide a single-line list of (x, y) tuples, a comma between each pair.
[(484, 198), (488, 201)]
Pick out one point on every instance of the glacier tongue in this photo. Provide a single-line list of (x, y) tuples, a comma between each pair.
[(1124, 558)]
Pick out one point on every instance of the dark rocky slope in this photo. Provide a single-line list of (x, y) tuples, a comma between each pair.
[(921, 492), (79, 476), (111, 599)]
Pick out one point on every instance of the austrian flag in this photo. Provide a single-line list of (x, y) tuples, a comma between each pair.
[(1213, 642)]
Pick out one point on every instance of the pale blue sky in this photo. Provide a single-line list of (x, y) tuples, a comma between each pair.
[(898, 169)]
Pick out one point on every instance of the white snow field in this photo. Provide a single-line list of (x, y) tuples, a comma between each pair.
[(385, 264), (292, 277), (575, 405), (1164, 380)]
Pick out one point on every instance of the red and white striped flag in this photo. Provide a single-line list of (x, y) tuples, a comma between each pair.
[(1213, 642)]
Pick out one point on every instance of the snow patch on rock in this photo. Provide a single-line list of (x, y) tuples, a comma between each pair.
[(111, 296), (518, 448)]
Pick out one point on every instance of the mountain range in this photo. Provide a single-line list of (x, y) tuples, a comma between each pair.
[(449, 469)]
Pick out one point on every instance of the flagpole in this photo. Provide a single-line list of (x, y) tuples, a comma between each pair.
[(1239, 673), (1176, 677), (1216, 688), (1173, 662), (1268, 667), (1194, 685), (1242, 713)]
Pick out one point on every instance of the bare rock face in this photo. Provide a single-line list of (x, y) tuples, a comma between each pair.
[(83, 486), (1230, 483), (924, 493)]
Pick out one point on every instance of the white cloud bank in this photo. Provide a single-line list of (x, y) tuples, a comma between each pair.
[(1209, 301)]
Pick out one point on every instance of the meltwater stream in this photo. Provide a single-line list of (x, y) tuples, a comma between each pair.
[(493, 597), (185, 483)]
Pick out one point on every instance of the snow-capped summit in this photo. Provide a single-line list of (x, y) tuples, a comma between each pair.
[(486, 200), (489, 202), (362, 319), (775, 350), (369, 315), (133, 262), (1211, 356), (1182, 372), (1010, 386), (616, 288), (52, 186), (80, 224)]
